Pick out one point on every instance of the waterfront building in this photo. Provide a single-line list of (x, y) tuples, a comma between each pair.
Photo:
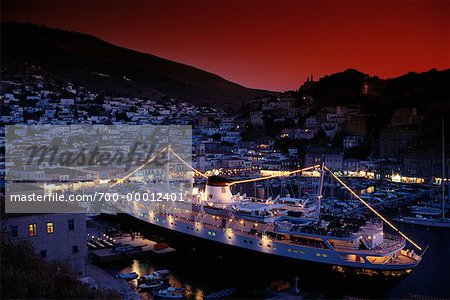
[(57, 238)]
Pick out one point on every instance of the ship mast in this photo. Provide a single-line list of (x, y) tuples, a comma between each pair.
[(319, 193), (443, 169)]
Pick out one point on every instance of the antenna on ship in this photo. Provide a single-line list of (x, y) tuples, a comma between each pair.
[(443, 169), (319, 193), (168, 165)]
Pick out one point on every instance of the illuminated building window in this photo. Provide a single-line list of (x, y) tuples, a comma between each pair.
[(50, 228), (324, 255), (32, 229), (289, 250), (317, 254), (71, 224)]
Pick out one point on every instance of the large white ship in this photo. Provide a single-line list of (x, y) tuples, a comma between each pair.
[(289, 227)]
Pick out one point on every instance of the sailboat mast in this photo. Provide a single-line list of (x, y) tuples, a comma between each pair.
[(443, 169)]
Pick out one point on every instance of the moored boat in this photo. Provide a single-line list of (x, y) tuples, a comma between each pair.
[(425, 210), (128, 276), (170, 293), (152, 285), (253, 211), (157, 275)]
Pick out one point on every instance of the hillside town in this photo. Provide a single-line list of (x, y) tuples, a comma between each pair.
[(266, 136)]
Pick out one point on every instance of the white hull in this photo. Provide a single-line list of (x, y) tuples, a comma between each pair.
[(278, 248)]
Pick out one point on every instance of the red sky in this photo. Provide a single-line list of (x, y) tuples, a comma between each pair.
[(268, 44)]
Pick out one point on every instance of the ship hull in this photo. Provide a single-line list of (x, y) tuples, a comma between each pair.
[(309, 255)]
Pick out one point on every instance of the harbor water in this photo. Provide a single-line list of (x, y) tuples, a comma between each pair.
[(204, 267)]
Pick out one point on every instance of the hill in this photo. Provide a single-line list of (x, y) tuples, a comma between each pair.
[(98, 65), (427, 91)]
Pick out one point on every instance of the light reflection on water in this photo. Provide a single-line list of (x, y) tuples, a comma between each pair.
[(202, 276), (143, 267)]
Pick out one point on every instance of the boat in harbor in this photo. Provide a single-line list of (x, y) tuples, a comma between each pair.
[(128, 276), (296, 206), (424, 210), (346, 244), (428, 216), (424, 221), (152, 285), (253, 211), (157, 275), (170, 293), (154, 278)]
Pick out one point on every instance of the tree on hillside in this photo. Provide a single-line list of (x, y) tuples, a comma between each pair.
[(26, 275)]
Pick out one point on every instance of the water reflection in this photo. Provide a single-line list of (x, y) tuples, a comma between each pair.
[(144, 267), (204, 268)]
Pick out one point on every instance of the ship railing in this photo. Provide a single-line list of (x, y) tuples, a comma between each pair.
[(393, 237), (399, 243)]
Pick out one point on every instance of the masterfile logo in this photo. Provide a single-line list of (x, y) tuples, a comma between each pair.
[(98, 168)]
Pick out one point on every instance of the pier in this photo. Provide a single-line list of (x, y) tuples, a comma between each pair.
[(129, 247)]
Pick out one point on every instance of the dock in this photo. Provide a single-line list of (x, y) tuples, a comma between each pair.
[(130, 248)]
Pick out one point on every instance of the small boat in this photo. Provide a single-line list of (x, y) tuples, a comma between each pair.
[(424, 221), (151, 285), (128, 276), (252, 211), (298, 205), (170, 293)]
